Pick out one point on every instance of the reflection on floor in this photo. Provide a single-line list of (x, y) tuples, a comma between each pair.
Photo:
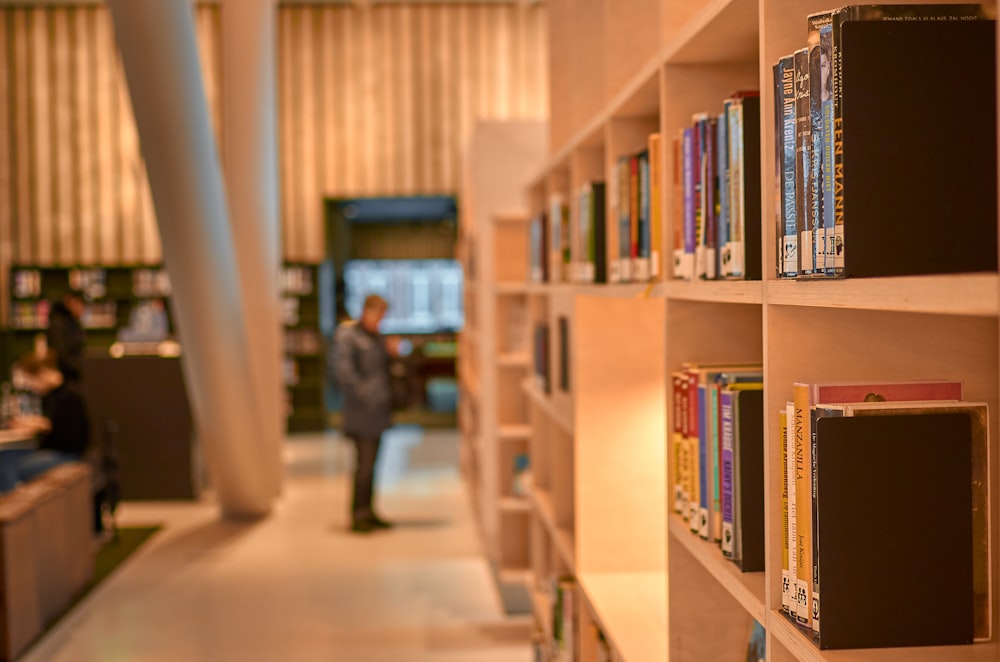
[(298, 587)]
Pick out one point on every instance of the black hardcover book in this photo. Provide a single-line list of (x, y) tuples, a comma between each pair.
[(915, 140), (542, 357), (599, 219), (895, 509), (751, 186), (749, 501), (564, 354)]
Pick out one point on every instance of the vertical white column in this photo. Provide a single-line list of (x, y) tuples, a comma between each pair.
[(160, 56), (250, 166)]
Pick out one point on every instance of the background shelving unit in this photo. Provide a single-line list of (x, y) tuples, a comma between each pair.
[(621, 69), (305, 350), (494, 348)]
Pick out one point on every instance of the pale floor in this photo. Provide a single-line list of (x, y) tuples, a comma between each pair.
[(297, 587)]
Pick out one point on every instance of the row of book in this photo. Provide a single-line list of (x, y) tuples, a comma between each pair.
[(718, 457), (885, 485), (607, 233), (867, 164), (92, 282), (35, 314), (302, 342), (296, 280), (716, 193)]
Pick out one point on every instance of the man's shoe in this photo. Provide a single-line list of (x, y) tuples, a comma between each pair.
[(363, 526), (380, 523)]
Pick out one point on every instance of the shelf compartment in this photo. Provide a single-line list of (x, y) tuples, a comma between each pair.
[(631, 610), (747, 588), (962, 294), (802, 647), (563, 539), (545, 404), (725, 31)]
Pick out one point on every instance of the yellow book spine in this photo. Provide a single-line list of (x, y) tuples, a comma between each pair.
[(786, 581), (803, 505)]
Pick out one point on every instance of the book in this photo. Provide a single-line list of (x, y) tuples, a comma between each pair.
[(677, 210), (785, 125), (679, 387), (655, 206), (597, 246), (881, 573), (612, 228), (786, 582), (744, 176), (748, 470), (803, 142), (625, 207), (563, 323), (724, 265), (821, 37), (807, 398), (558, 235), (642, 214), (789, 457), (816, 257), (710, 179), (803, 540), (887, 220), (698, 181), (980, 485), (686, 260)]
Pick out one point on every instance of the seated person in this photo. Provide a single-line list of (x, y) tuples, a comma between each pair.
[(63, 429)]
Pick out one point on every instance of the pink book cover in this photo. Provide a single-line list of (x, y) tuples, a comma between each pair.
[(889, 391)]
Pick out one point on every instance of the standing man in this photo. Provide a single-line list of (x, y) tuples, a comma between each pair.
[(361, 366), (66, 335)]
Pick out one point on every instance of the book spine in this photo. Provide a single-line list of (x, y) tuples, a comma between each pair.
[(598, 209), (792, 532), (786, 583), (715, 445), (564, 233), (826, 92), (728, 534), (700, 205), (677, 440), (555, 233), (685, 451), (634, 206), (677, 209), (815, 195), (736, 175), (643, 224), (625, 219), (655, 206), (704, 463), (837, 79), (803, 505), (788, 230), (686, 270), (694, 482), (803, 140), (711, 198), (587, 238), (611, 227), (725, 260), (813, 415)]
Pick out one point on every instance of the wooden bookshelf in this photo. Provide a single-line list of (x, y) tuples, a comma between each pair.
[(494, 356), (594, 445)]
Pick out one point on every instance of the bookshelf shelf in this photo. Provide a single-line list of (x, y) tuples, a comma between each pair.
[(631, 609), (546, 404), (515, 505), (746, 588), (514, 432), (562, 538), (751, 292), (963, 294), (802, 648), (514, 360)]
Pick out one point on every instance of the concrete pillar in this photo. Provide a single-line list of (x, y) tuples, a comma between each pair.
[(159, 52), (250, 167)]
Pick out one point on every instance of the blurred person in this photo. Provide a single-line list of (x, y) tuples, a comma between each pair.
[(62, 429), (361, 359), (66, 335)]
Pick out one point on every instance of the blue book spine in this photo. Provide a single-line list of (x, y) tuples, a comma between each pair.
[(728, 530), (687, 260), (826, 93), (817, 257), (704, 498), (790, 242), (725, 265), (645, 240)]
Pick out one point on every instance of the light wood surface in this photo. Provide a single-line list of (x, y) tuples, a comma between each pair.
[(631, 608)]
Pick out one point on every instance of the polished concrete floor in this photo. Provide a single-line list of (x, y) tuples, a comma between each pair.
[(297, 587)]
